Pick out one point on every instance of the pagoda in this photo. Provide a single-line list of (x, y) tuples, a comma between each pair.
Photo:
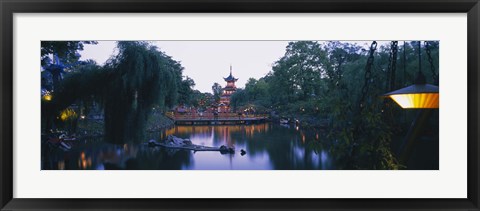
[(228, 91)]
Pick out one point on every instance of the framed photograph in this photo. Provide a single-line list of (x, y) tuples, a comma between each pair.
[(259, 105)]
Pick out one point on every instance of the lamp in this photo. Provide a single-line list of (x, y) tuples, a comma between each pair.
[(46, 95), (418, 96)]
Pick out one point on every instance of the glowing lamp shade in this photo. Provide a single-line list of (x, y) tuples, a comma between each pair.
[(47, 97), (421, 100), (68, 114), (416, 96)]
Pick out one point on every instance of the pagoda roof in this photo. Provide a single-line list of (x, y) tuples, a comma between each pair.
[(230, 77)]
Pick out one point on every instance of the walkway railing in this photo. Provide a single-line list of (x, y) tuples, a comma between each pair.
[(212, 116)]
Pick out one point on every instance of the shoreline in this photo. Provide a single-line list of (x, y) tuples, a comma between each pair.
[(90, 128)]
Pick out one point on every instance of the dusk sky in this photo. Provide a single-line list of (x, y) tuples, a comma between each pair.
[(207, 62)]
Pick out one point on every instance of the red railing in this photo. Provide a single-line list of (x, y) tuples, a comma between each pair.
[(206, 116)]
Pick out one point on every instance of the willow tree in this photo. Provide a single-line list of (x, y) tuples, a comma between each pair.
[(73, 90), (142, 77)]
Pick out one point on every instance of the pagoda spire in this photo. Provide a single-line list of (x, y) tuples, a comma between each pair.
[(230, 77)]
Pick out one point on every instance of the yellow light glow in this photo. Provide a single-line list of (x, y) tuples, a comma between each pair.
[(61, 165), (68, 113), (47, 97), (417, 100)]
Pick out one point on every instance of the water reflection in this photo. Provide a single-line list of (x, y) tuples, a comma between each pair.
[(267, 146)]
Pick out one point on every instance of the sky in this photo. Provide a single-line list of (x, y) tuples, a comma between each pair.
[(207, 62)]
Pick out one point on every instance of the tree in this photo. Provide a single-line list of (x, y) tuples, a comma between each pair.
[(239, 98), (139, 78), (338, 56), (217, 91), (186, 91), (256, 92), (323, 81), (73, 89), (142, 77), (66, 50), (299, 69)]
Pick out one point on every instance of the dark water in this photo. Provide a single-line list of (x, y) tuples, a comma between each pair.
[(268, 146)]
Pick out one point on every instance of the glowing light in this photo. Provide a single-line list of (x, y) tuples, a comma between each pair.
[(47, 97), (420, 100), (84, 164), (61, 165), (67, 114), (416, 96)]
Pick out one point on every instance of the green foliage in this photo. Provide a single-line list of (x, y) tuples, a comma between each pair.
[(202, 101), (84, 86), (67, 50), (142, 77), (128, 87), (217, 91), (320, 83), (238, 99), (186, 92)]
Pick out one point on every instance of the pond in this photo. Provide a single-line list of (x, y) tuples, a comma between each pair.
[(268, 146)]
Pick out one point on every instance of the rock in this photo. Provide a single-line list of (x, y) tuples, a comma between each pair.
[(187, 142), (242, 152), (175, 141), (170, 138), (226, 150), (152, 143), (178, 141)]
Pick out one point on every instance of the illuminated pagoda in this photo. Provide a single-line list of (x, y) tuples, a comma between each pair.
[(228, 91)]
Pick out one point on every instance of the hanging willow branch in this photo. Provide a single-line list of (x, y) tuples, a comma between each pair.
[(129, 85), (142, 77)]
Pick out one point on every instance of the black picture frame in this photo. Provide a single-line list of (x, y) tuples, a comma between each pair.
[(9, 7)]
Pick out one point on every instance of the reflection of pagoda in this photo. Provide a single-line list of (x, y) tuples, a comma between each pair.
[(227, 92)]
